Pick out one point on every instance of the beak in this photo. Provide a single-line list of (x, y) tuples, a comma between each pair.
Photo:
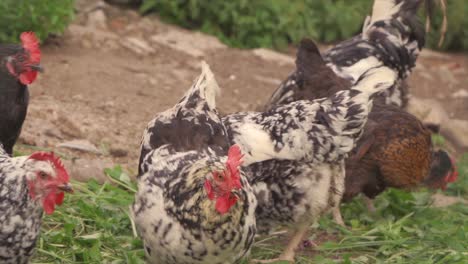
[(65, 188), (37, 67)]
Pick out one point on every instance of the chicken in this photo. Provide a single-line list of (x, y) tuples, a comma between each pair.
[(295, 153), (395, 149), (29, 185), (194, 203), (393, 36), (19, 65)]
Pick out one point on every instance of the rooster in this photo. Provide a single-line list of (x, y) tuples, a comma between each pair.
[(393, 36), (19, 66), (29, 185), (194, 203)]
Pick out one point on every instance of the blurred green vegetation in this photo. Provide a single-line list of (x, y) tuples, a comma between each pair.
[(276, 23), (44, 17)]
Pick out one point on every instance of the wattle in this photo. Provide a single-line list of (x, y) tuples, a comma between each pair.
[(51, 200), (225, 202), (28, 77)]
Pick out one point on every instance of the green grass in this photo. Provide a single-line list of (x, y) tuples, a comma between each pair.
[(405, 229), (93, 226), (44, 17)]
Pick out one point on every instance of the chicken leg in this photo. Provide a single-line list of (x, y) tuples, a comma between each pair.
[(337, 216), (290, 251)]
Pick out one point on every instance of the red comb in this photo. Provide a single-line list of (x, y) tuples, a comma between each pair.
[(31, 44), (59, 167), (234, 157), (233, 162)]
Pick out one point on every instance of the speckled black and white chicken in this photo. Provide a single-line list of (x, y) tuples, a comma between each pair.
[(194, 203), (393, 35), (29, 185), (295, 152)]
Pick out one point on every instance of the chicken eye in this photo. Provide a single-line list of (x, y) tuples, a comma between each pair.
[(43, 175)]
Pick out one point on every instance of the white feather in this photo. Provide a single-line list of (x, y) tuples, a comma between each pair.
[(384, 9), (208, 86)]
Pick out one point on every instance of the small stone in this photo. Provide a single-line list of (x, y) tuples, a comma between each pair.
[(52, 133), (152, 81), (456, 131), (274, 56), (428, 110), (431, 111), (192, 43), (441, 200), (97, 19), (86, 43), (86, 169), (272, 81), (139, 46), (462, 93), (81, 145)]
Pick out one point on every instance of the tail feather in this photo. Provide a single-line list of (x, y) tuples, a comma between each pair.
[(384, 9), (375, 80), (403, 16), (397, 32), (205, 87), (358, 102)]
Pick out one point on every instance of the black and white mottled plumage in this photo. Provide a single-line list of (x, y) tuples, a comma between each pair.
[(295, 152), (20, 217), (393, 36), (181, 148), (323, 130), (294, 192), (192, 124)]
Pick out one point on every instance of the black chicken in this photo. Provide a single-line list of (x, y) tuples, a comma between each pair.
[(19, 66)]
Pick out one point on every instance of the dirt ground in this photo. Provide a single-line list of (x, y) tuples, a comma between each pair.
[(112, 70)]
